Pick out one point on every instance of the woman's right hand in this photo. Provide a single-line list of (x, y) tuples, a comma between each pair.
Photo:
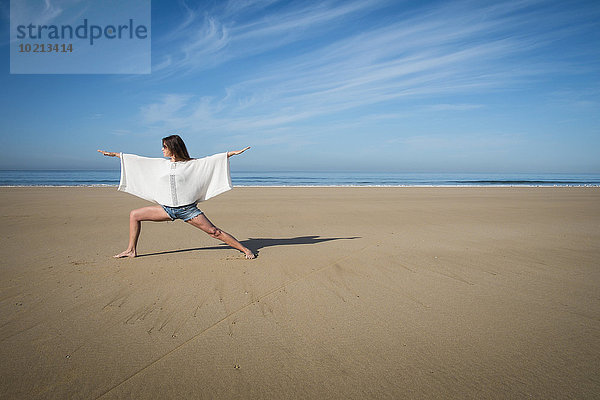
[(235, 153), (110, 154)]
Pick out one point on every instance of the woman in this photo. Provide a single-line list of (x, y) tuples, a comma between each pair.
[(149, 184)]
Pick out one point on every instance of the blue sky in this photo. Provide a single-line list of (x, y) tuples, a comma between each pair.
[(426, 86)]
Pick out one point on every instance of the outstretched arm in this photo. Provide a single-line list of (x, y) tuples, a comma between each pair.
[(235, 153), (111, 154)]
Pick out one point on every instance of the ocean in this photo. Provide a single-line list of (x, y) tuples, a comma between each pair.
[(374, 179)]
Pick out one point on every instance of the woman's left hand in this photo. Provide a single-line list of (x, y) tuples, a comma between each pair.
[(235, 153), (109, 153)]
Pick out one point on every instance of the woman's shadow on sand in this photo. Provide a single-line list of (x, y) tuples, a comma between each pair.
[(256, 244)]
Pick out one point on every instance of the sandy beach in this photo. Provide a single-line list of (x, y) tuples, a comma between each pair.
[(482, 293)]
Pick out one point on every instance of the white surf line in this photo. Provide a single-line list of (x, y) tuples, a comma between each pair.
[(176, 348)]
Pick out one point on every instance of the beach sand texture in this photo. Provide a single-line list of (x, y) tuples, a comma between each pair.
[(357, 293)]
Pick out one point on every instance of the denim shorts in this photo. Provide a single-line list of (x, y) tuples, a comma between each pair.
[(184, 212)]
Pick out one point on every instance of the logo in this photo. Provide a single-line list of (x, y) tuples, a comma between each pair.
[(73, 37)]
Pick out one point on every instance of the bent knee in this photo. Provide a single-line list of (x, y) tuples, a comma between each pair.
[(214, 231), (134, 215)]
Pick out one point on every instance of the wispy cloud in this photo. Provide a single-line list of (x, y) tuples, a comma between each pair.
[(208, 38), (429, 53), (37, 13), (452, 107), (48, 12), (166, 111)]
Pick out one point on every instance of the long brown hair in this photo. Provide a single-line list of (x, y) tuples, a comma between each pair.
[(177, 148)]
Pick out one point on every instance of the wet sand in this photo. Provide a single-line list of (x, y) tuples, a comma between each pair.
[(357, 293)]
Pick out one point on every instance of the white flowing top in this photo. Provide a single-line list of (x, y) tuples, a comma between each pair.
[(175, 184)]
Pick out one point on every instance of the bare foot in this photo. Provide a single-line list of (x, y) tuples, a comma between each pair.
[(249, 254), (126, 253)]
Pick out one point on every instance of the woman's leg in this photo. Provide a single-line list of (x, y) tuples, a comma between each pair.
[(204, 223), (151, 213)]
